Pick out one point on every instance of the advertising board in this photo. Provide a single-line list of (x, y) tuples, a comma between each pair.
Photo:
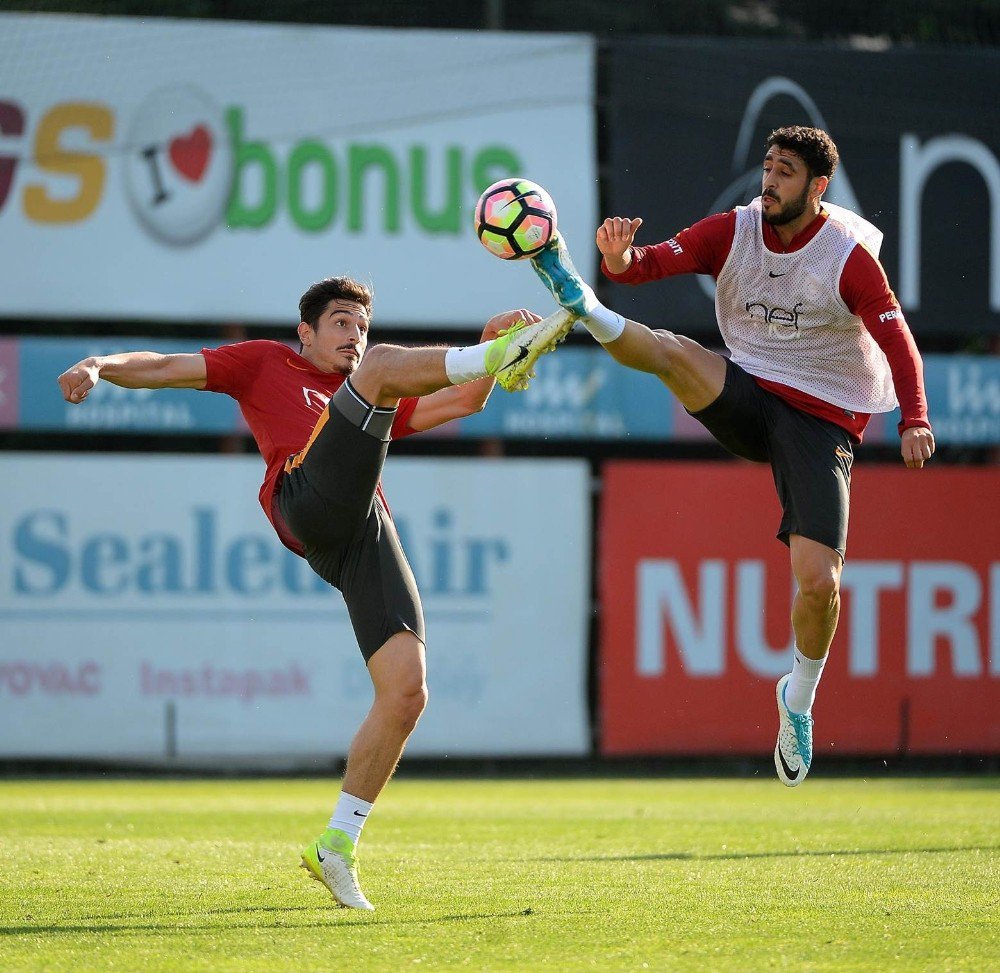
[(695, 606), (149, 613)]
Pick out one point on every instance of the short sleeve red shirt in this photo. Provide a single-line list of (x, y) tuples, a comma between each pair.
[(281, 396)]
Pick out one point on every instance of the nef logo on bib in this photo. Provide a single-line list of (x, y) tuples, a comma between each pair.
[(784, 320), (781, 322)]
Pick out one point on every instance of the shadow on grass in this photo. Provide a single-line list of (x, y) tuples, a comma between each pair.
[(171, 929), (685, 856), (229, 911)]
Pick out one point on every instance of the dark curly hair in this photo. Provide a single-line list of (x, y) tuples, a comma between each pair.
[(812, 145), (319, 295)]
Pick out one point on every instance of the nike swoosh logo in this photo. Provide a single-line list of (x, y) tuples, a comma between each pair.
[(360, 815), (320, 855), (771, 273), (788, 770), (522, 353)]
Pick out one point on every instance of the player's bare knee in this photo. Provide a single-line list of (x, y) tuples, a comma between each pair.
[(820, 588), (407, 704), (377, 365)]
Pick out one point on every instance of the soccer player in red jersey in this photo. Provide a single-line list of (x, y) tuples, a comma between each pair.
[(818, 343), (322, 419)]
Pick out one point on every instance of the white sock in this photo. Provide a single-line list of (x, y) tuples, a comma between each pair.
[(800, 690), (350, 815), (466, 364), (603, 323)]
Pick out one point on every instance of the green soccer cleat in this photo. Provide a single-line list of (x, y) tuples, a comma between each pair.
[(511, 357), (330, 859), (555, 270)]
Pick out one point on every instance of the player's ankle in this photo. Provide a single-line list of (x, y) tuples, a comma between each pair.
[(349, 816), (603, 323)]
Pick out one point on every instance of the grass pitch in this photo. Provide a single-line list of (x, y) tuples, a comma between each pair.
[(505, 875)]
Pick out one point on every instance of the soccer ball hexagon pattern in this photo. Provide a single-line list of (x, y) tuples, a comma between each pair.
[(515, 218)]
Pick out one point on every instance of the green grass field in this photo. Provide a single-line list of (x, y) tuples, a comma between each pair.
[(505, 875)]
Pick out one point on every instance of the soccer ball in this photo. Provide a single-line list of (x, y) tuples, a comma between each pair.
[(515, 218)]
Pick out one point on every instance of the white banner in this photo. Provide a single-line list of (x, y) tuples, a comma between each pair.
[(148, 612), (193, 170)]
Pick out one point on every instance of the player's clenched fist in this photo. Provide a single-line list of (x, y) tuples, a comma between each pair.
[(76, 382), (614, 240), (917, 447)]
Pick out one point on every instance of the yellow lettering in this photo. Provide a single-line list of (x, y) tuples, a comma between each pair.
[(87, 168)]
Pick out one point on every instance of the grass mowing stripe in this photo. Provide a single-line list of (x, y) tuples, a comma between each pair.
[(505, 875)]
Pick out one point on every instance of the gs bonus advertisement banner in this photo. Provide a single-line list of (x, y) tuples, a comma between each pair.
[(696, 595), (203, 171)]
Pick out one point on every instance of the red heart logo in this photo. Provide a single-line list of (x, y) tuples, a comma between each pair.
[(189, 153)]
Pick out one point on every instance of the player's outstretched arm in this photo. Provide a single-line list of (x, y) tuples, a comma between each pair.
[(615, 237), (458, 401), (133, 370)]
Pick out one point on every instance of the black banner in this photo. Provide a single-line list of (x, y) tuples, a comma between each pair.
[(919, 137)]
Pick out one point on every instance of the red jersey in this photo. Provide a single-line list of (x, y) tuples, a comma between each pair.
[(704, 248), (281, 396)]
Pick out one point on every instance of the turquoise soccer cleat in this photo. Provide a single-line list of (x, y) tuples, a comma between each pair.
[(555, 270), (794, 749)]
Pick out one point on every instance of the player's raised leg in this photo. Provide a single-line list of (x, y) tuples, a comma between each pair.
[(388, 373), (693, 373)]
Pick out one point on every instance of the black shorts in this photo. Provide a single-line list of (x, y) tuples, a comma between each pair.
[(328, 500), (810, 458)]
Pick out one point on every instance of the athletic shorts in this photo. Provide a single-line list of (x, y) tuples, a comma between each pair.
[(329, 502), (810, 458)]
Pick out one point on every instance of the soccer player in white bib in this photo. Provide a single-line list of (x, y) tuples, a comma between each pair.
[(818, 344)]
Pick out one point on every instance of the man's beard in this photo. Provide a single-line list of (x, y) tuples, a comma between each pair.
[(790, 211), (349, 368)]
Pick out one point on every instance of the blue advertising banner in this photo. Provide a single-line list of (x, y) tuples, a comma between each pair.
[(578, 393), (963, 393), (32, 365)]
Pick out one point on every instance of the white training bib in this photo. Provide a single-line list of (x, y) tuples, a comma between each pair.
[(782, 317)]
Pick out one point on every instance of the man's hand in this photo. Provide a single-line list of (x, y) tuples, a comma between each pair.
[(76, 382), (614, 240), (501, 322), (917, 446)]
